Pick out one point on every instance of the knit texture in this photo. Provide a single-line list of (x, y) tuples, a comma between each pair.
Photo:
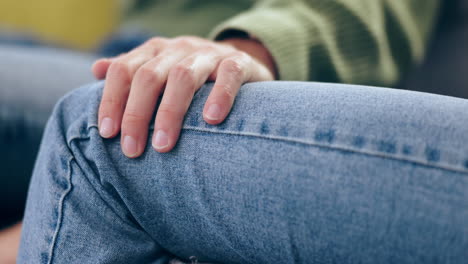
[(348, 41)]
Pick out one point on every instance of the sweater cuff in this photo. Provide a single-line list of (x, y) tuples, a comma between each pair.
[(281, 33)]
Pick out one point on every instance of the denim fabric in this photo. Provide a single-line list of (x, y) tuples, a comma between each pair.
[(32, 80), (33, 77), (298, 173)]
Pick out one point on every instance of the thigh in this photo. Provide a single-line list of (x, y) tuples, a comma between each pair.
[(298, 173), (32, 80)]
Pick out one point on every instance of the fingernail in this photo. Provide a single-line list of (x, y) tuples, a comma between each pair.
[(160, 140), (130, 146), (214, 112), (107, 127)]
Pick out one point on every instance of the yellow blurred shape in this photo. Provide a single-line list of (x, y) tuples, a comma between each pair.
[(74, 23)]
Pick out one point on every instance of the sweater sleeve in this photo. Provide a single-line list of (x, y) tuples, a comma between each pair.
[(350, 41)]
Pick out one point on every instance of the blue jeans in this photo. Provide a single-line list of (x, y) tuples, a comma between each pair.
[(298, 173), (33, 77)]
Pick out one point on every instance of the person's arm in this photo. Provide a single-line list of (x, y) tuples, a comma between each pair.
[(348, 41)]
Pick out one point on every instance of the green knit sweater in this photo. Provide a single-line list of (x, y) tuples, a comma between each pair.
[(348, 41)]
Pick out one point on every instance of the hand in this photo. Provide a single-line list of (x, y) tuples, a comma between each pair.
[(176, 68)]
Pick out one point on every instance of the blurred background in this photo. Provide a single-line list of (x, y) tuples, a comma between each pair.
[(77, 24), (46, 47), (445, 67)]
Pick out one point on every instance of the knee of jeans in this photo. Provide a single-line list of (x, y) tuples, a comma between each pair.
[(246, 98), (77, 111)]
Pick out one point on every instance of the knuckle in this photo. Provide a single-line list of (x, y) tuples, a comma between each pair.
[(120, 67), (228, 90), (238, 54), (232, 66), (121, 70), (155, 41), (183, 72), (155, 44), (242, 57), (184, 41), (170, 111), (132, 117), (146, 76), (210, 47), (111, 102), (189, 41)]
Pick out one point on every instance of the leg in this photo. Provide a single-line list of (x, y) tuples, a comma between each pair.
[(298, 173), (32, 80)]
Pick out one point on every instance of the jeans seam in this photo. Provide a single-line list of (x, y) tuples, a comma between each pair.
[(71, 146), (60, 212), (332, 147), (339, 147), (86, 137)]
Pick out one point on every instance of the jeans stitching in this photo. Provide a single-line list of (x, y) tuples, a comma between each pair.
[(424, 153), (332, 146), (71, 146), (85, 137), (60, 213)]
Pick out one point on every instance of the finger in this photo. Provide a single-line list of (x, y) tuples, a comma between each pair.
[(184, 79), (117, 86), (231, 74), (147, 85), (100, 68)]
